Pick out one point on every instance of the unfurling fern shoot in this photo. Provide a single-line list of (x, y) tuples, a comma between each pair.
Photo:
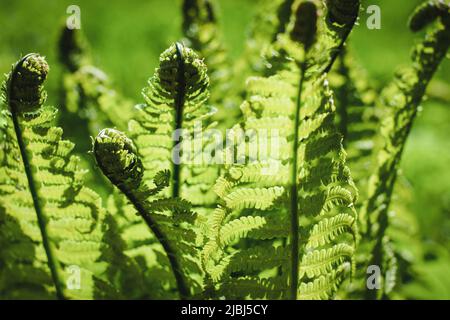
[(25, 93), (44, 206), (429, 12), (343, 11), (166, 126), (117, 158)]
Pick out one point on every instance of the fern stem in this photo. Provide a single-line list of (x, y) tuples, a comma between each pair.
[(343, 101), (294, 194), (179, 104), (170, 252), (42, 221), (117, 159)]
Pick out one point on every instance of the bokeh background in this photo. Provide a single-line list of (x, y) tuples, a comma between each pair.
[(127, 37)]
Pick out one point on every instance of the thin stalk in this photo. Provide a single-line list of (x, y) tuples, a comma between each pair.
[(179, 104), (52, 262), (170, 252), (343, 100), (294, 195)]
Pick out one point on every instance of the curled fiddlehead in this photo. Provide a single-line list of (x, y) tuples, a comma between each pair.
[(343, 11), (117, 157), (25, 93), (25, 87), (427, 13), (44, 206)]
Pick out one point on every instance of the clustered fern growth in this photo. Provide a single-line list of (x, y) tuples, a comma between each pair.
[(50, 221), (300, 222)]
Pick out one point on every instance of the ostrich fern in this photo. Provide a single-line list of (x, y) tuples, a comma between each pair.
[(49, 220), (301, 222)]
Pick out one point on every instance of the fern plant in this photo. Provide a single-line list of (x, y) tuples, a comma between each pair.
[(393, 110), (87, 91), (50, 222), (284, 212), (402, 98), (311, 243)]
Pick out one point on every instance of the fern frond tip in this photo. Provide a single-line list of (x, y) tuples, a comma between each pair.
[(343, 11), (73, 49), (427, 13), (25, 91), (305, 27), (180, 62), (117, 157)]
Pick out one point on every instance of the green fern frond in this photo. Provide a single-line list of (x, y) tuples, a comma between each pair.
[(401, 99), (257, 258), (327, 230), (322, 287), (316, 263), (50, 223), (239, 228), (117, 157), (176, 101), (258, 198), (297, 102), (254, 287)]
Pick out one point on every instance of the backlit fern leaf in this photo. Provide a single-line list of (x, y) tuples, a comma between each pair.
[(254, 287), (50, 224), (176, 100), (257, 258), (319, 288), (326, 193), (169, 219), (401, 98)]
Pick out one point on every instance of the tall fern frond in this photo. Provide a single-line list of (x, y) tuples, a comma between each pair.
[(358, 120), (402, 99), (51, 225), (169, 126), (312, 181), (167, 218), (168, 133)]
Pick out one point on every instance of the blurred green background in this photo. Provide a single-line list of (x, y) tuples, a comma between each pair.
[(127, 37)]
